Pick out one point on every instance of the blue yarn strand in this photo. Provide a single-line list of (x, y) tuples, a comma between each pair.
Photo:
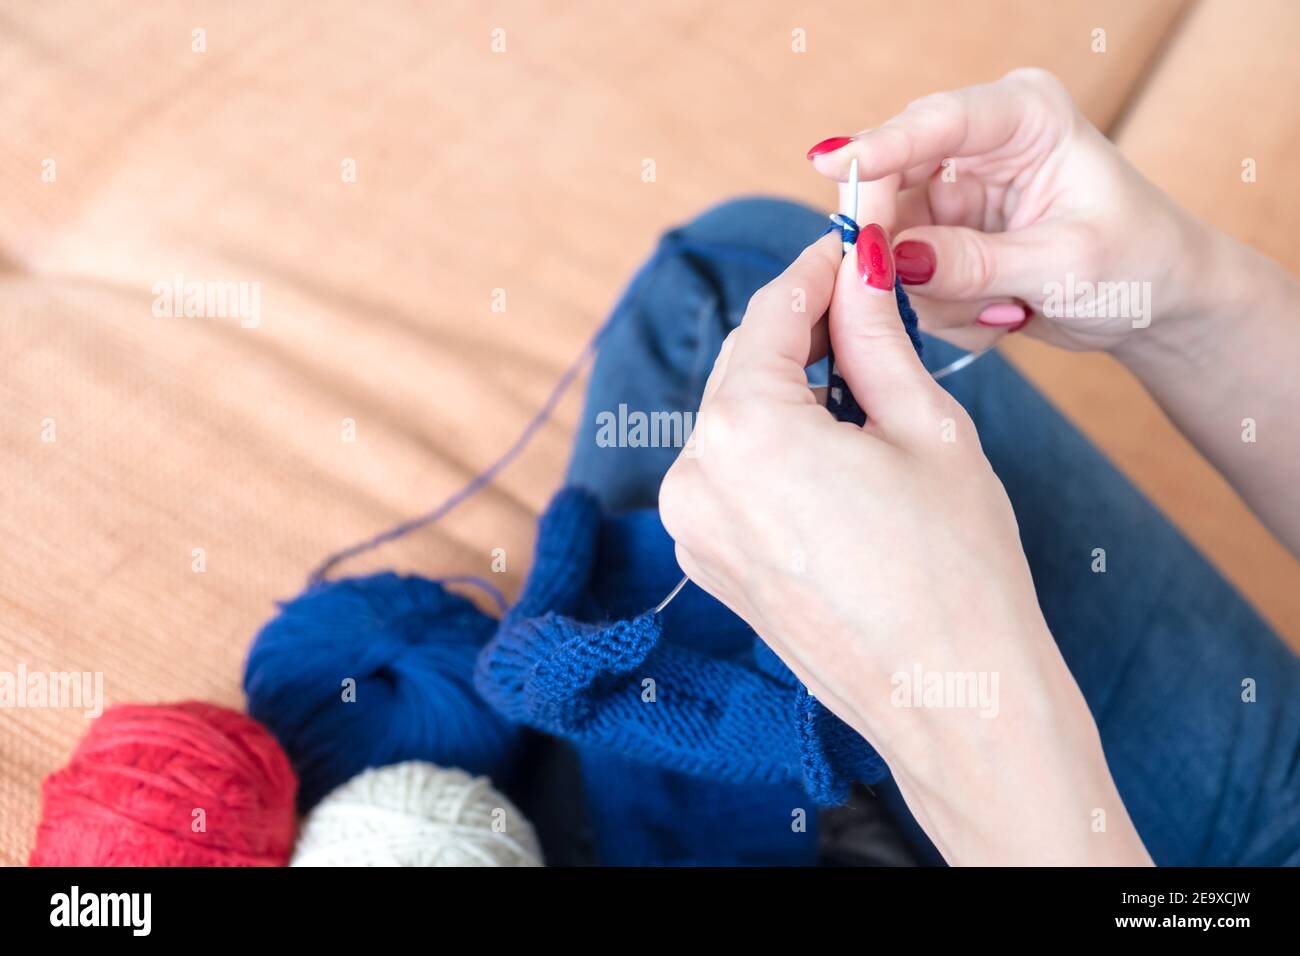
[(369, 671), (406, 644), (476, 483), (848, 228), (672, 242)]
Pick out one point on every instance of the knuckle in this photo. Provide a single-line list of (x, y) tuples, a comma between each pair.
[(728, 344), (938, 420), (718, 429), (944, 103), (978, 265), (686, 561), (965, 426), (939, 406), (673, 503), (874, 331), (732, 438), (895, 130), (765, 297), (1082, 243), (966, 437), (1035, 77), (1045, 87)]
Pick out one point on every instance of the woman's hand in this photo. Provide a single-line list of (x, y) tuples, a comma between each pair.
[(1011, 198), (871, 558)]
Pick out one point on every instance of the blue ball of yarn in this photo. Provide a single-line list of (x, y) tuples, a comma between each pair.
[(367, 672)]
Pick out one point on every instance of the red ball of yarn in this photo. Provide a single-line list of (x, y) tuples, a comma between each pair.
[(188, 784)]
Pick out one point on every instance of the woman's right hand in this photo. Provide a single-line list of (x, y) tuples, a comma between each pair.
[(1012, 199)]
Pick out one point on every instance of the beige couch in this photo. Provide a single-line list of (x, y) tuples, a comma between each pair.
[(474, 171)]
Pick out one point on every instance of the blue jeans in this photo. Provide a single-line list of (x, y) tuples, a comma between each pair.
[(1159, 643)]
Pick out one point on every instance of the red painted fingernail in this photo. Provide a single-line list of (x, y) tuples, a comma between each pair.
[(875, 261), (1004, 315), (915, 260), (829, 145)]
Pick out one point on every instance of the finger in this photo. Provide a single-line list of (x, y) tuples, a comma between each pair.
[(970, 338), (913, 210), (963, 264), (877, 202), (821, 338), (921, 175), (938, 315), (951, 199), (972, 326), (962, 201), (777, 332), (817, 350), (873, 352), (719, 371), (965, 122)]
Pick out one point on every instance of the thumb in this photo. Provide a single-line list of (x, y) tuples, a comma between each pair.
[(872, 351), (957, 263)]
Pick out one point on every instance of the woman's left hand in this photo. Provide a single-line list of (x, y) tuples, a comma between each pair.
[(871, 558)]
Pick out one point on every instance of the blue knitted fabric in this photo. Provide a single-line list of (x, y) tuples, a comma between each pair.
[(726, 708), (732, 749)]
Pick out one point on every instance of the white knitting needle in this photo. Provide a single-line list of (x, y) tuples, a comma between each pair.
[(851, 200), (849, 204), (671, 594)]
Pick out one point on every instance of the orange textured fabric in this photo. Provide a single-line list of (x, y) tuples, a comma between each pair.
[(381, 173)]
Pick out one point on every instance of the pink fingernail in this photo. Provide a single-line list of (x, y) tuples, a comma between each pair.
[(1002, 315)]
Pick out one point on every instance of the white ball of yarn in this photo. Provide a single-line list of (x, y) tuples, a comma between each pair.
[(416, 814)]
